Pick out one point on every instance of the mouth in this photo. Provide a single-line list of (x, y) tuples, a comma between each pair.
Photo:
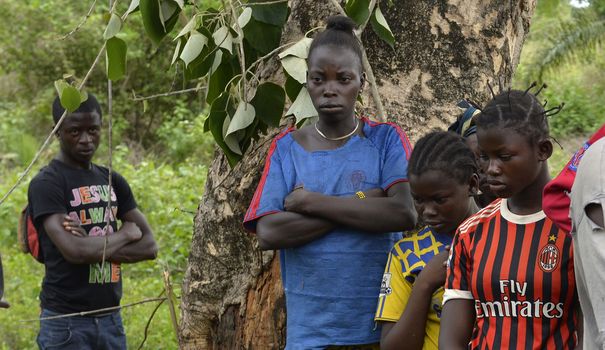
[(434, 224), (496, 186), (329, 107), (86, 152)]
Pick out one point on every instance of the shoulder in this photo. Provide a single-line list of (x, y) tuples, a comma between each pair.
[(48, 173), (412, 240), (484, 215), (385, 132), (283, 140)]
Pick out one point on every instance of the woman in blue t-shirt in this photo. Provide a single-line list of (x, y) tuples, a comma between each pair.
[(333, 198)]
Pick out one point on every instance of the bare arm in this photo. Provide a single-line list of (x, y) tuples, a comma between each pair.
[(288, 230), (395, 212), (143, 249), (87, 250), (411, 327), (457, 322)]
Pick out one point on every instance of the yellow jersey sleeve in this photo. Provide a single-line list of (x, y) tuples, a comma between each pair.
[(395, 291)]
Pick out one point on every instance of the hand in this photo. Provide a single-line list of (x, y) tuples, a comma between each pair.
[(297, 200), (434, 273), (132, 230), (73, 226)]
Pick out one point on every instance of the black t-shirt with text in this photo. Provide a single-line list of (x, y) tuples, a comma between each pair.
[(83, 195)]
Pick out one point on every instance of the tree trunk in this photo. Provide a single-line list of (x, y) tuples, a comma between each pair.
[(445, 50)]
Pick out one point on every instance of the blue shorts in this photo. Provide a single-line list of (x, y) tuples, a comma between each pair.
[(81, 332)]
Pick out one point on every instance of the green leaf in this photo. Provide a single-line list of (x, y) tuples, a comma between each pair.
[(358, 10), (300, 49), (244, 18), (216, 122), (60, 85), (193, 47), (115, 55), (269, 101), (275, 13), (292, 87), (231, 140), (177, 50), (134, 6), (262, 37), (189, 27), (302, 107), (113, 27), (159, 17), (70, 98), (218, 81), (243, 117), (167, 9), (223, 38), (381, 27), (295, 67)]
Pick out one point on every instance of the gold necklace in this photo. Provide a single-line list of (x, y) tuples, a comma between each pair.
[(337, 138)]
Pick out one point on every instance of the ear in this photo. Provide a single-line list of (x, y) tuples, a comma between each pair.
[(544, 149), (473, 184)]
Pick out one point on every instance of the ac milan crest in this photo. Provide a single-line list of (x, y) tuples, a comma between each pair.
[(549, 258)]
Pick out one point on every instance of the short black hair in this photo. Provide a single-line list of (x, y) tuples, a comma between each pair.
[(444, 151), (338, 32), (520, 111), (90, 105)]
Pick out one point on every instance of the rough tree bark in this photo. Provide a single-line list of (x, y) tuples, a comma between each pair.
[(445, 50)]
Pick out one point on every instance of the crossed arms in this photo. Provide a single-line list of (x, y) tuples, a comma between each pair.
[(133, 242), (310, 215)]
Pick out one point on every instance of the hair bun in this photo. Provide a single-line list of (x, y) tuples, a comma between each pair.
[(342, 23)]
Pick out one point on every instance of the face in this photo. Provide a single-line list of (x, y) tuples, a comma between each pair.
[(79, 135), (511, 162), (334, 80), (442, 202)]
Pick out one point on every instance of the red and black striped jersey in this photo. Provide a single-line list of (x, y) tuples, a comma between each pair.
[(519, 272)]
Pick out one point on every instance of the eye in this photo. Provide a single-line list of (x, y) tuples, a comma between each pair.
[(483, 157), (417, 200), (345, 79), (94, 131), (441, 200), (73, 132), (505, 157), (316, 79)]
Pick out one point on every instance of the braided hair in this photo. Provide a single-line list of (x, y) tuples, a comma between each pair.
[(338, 32), (519, 110), (443, 151)]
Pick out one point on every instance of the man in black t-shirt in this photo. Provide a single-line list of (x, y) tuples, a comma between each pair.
[(68, 200)]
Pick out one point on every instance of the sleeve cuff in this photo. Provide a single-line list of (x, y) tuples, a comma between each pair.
[(451, 294)]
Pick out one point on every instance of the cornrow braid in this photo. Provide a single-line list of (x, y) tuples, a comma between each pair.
[(443, 151), (519, 110)]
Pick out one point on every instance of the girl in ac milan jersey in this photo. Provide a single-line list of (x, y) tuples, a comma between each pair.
[(510, 281)]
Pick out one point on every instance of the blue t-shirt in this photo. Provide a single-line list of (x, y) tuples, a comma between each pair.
[(332, 283)]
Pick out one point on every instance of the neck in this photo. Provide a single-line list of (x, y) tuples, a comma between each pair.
[(529, 200), (71, 162), (332, 127)]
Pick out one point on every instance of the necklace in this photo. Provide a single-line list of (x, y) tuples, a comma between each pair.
[(337, 138)]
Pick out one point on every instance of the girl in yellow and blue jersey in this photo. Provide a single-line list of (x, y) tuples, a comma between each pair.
[(443, 179)]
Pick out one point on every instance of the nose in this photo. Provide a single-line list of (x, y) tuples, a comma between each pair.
[(329, 89), (429, 211), (493, 168), (85, 138)]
